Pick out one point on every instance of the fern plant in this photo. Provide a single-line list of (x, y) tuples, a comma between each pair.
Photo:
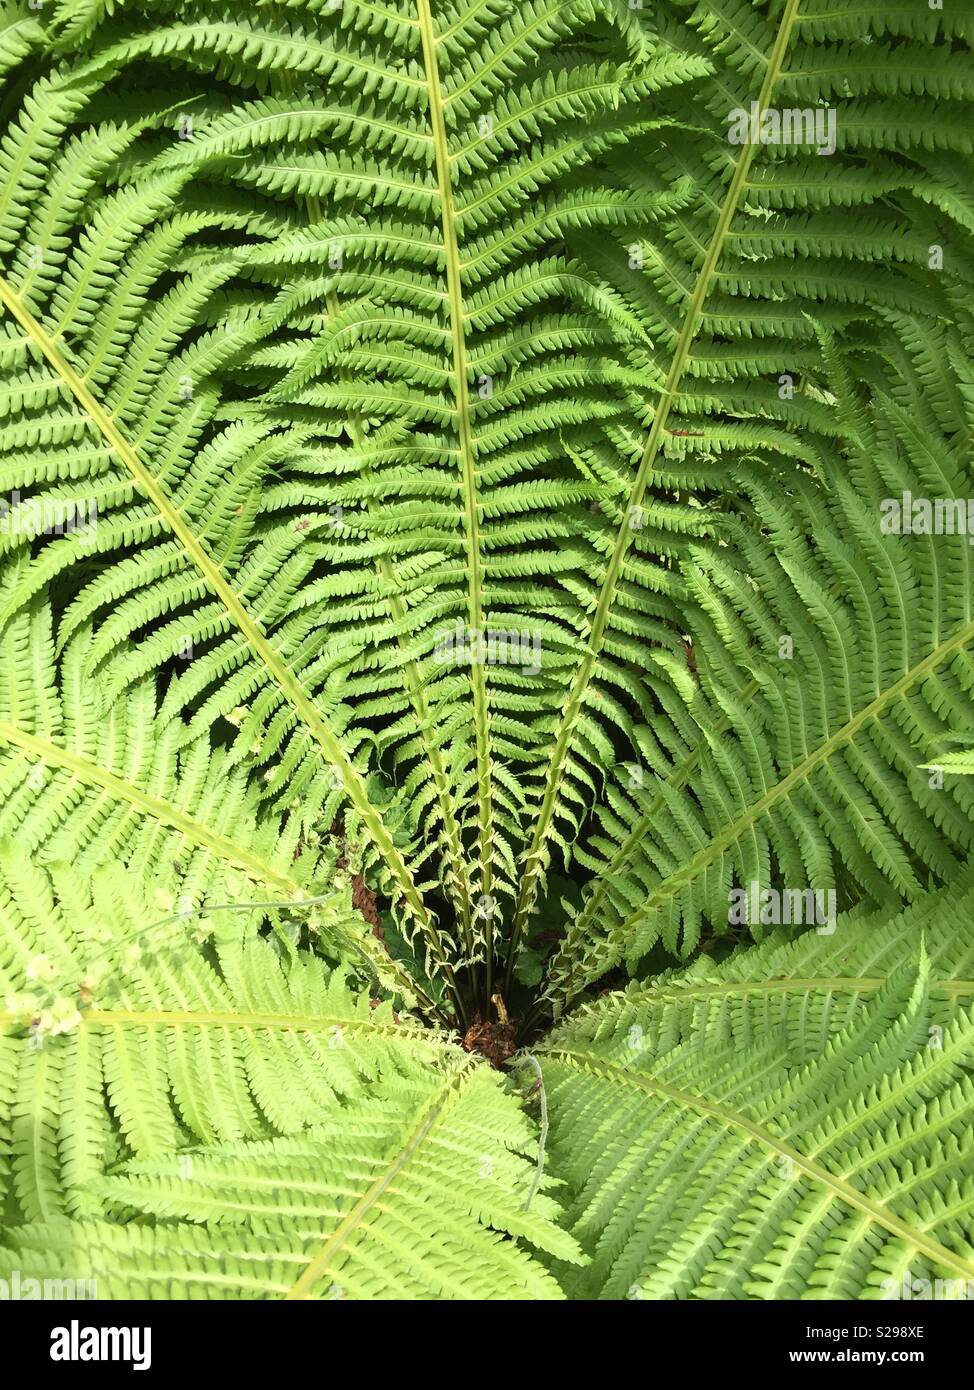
[(486, 591)]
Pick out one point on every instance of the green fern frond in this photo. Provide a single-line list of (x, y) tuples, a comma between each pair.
[(416, 1191), (127, 1051), (790, 1124), (162, 1042), (818, 648), (459, 470)]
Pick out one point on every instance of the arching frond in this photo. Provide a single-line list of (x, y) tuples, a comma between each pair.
[(484, 513), (790, 1124)]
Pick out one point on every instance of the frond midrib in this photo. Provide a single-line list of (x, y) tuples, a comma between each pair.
[(244, 1019), (733, 1119), (429, 1118), (533, 858), (855, 984), (290, 686), (732, 832), (417, 695), (451, 247), (96, 776)]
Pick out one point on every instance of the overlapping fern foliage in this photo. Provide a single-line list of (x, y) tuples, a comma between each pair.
[(437, 463)]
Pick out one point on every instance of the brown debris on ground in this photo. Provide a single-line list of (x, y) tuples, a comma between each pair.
[(495, 1041), (363, 899)]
